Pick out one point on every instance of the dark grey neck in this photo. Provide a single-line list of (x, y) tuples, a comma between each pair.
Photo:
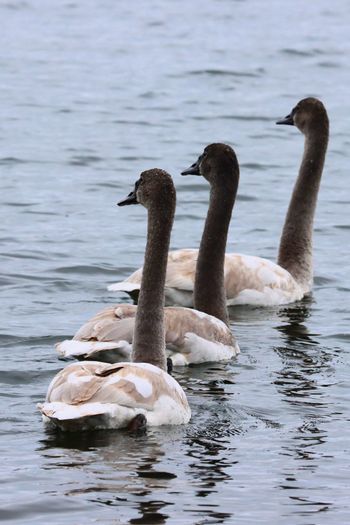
[(209, 289), (149, 334), (295, 251)]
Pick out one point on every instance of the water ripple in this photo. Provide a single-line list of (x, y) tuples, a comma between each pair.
[(225, 72), (92, 93)]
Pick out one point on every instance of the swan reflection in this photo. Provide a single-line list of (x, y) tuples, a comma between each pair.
[(300, 381)]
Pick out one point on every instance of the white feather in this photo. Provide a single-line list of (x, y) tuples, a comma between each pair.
[(124, 286), (197, 350)]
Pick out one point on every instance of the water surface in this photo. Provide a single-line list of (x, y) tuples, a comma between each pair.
[(91, 94)]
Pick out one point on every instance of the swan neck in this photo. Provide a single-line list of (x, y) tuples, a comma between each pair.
[(209, 288), (149, 333), (295, 251)]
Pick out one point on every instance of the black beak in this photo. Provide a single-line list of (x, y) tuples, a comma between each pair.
[(130, 199), (192, 170), (169, 365), (286, 120)]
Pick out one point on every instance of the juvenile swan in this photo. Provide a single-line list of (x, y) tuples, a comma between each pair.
[(192, 336), (254, 280), (92, 395)]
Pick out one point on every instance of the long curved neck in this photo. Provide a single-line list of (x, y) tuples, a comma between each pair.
[(209, 294), (149, 334), (295, 251)]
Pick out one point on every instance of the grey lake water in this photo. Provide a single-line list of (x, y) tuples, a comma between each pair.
[(92, 93)]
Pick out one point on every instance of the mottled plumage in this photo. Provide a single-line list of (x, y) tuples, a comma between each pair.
[(191, 337), (248, 280), (96, 395)]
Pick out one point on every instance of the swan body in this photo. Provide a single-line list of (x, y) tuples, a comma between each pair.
[(191, 337), (94, 395), (249, 280)]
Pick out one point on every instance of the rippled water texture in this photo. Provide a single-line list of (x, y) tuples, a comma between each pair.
[(91, 93)]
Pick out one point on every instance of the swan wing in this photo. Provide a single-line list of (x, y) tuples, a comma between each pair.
[(191, 337), (258, 281), (106, 337)]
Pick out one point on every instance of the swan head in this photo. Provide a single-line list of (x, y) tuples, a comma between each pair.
[(155, 187), (138, 424), (215, 163), (307, 115)]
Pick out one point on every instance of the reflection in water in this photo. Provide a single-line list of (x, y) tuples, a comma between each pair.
[(144, 473), (302, 355), (298, 381), (209, 445), (150, 514), (211, 455), (294, 317), (116, 468)]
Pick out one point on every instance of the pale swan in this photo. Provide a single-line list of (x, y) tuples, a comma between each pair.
[(192, 336), (94, 395), (254, 280)]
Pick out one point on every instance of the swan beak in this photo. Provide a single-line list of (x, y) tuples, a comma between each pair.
[(169, 365), (192, 170), (286, 120), (130, 199)]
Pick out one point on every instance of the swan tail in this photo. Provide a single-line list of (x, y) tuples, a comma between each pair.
[(104, 351), (124, 286), (72, 418)]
